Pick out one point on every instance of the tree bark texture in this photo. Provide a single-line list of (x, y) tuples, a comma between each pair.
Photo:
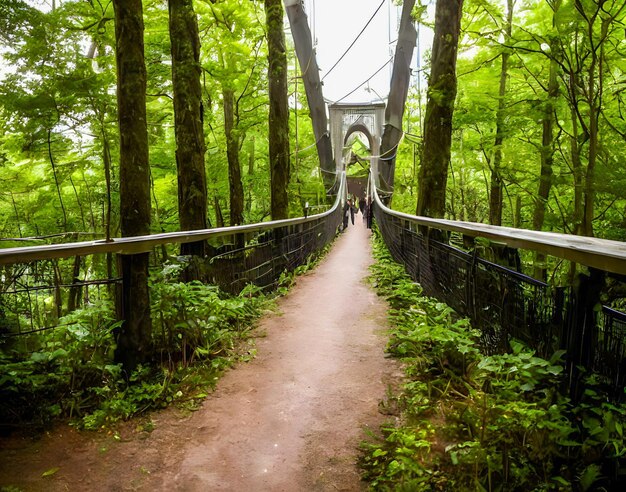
[(495, 195), (435, 158), (313, 86), (400, 80), (278, 111), (232, 152), (134, 336), (190, 145)]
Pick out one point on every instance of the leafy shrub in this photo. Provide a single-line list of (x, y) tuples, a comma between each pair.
[(71, 372), (475, 422)]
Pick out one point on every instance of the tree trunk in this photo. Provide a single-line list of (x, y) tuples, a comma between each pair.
[(232, 152), (106, 156), (56, 180), (495, 195), (251, 157), (278, 111), (134, 336), (73, 300), (576, 143), (190, 146), (547, 157), (435, 157), (594, 93), (219, 217), (400, 80)]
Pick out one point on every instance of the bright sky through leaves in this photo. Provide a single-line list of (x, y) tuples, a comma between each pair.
[(335, 24)]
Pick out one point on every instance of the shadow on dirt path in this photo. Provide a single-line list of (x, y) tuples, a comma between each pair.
[(289, 420)]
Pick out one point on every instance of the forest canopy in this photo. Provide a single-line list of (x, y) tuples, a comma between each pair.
[(539, 126), (537, 131), (58, 117)]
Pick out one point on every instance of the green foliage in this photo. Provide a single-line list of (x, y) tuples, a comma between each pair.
[(579, 40), (482, 422), (197, 333), (197, 321), (52, 380)]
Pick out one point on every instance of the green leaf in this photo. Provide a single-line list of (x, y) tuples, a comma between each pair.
[(589, 476), (561, 481), (39, 357), (557, 356), (50, 472), (58, 353), (555, 370)]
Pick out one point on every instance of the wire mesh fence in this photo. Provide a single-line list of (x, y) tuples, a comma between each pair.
[(36, 295), (505, 304), (261, 258)]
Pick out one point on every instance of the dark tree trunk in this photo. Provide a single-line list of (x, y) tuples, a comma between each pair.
[(400, 79), (279, 110), (106, 157), (495, 195), (576, 143), (56, 181), (190, 146), (219, 217), (73, 300), (232, 152), (134, 336), (435, 158), (251, 157)]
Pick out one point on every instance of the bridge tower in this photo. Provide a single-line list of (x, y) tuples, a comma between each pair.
[(348, 118)]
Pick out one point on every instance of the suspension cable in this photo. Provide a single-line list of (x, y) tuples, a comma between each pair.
[(365, 81), (355, 40)]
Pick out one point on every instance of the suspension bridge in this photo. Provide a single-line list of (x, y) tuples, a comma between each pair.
[(473, 267)]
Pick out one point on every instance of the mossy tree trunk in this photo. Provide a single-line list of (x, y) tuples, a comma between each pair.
[(234, 165), (279, 110), (190, 145), (435, 157), (135, 335)]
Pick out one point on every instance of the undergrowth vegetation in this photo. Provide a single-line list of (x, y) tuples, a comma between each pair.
[(468, 421), (68, 371), (71, 372)]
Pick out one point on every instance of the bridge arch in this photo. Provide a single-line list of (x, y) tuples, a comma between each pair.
[(349, 118), (359, 128)]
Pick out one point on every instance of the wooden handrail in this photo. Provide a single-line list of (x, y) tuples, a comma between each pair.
[(143, 244), (602, 254)]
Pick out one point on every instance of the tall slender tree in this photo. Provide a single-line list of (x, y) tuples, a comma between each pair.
[(495, 195), (279, 110), (235, 185), (435, 156), (134, 336), (547, 150), (190, 145)]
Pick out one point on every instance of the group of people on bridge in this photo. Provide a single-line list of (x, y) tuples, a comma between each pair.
[(355, 205)]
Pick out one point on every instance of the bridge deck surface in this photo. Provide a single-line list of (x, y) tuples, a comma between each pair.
[(289, 420)]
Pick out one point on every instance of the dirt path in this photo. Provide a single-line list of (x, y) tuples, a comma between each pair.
[(290, 420)]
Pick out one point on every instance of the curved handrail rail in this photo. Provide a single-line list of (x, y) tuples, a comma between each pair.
[(602, 254), (144, 244)]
